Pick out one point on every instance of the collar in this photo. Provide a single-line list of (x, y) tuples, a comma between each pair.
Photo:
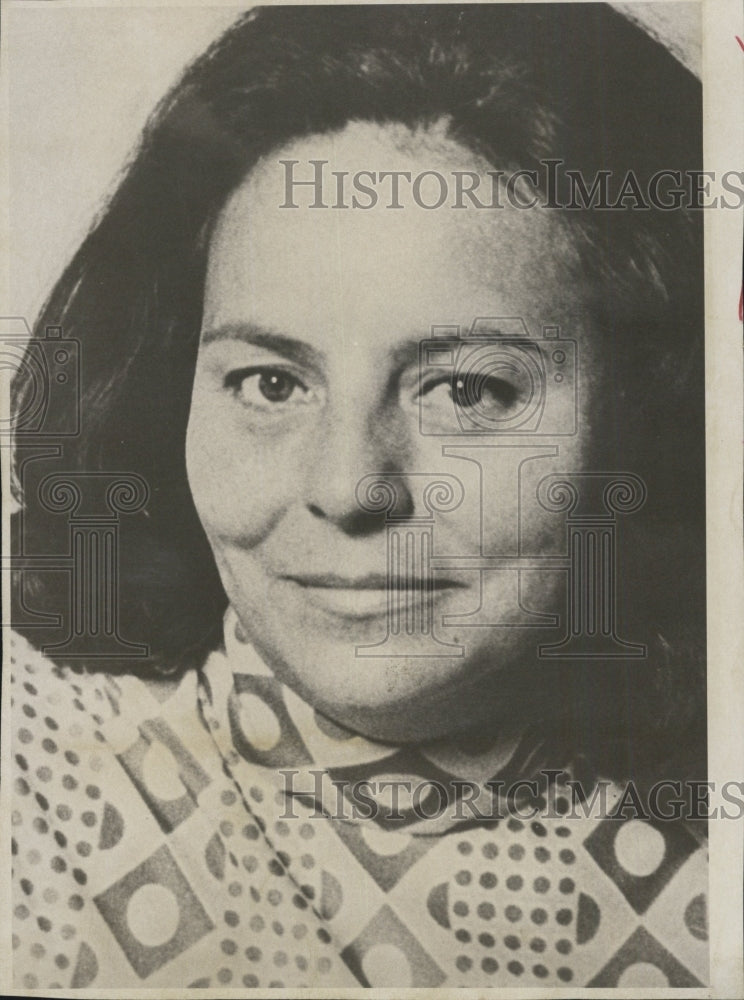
[(257, 719)]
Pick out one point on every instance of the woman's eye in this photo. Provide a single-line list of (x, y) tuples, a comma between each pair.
[(470, 391), (483, 391), (484, 398), (267, 388)]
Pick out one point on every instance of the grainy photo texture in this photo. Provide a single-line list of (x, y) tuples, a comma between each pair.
[(358, 551)]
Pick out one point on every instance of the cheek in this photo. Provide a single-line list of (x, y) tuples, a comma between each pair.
[(239, 487)]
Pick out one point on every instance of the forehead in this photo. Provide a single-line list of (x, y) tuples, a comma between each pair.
[(408, 267)]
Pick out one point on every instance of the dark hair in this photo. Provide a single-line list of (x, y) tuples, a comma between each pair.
[(519, 84)]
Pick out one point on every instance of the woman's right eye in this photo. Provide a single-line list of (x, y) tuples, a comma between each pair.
[(267, 388)]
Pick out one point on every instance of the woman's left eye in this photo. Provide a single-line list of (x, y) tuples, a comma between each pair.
[(467, 391), (267, 388), (463, 392)]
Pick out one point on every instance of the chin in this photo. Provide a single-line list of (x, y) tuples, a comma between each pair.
[(401, 699)]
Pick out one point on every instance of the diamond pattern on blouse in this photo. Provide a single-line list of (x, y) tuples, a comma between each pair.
[(154, 846)]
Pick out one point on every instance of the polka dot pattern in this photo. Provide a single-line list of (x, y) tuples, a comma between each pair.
[(202, 874), (553, 916)]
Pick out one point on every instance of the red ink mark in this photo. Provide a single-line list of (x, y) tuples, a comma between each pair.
[(740, 42), (741, 305)]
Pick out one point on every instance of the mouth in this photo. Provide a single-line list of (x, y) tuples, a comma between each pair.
[(371, 596)]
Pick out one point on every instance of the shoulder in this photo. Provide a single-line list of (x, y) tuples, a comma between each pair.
[(62, 715), (47, 699), (55, 765), (65, 704), (76, 814)]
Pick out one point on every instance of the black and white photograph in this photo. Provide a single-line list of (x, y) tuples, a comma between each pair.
[(357, 560)]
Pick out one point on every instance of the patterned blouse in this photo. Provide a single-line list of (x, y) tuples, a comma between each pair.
[(157, 843)]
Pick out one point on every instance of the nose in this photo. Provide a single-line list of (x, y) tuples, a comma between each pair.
[(354, 445)]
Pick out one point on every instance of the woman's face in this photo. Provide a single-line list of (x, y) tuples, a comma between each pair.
[(308, 379)]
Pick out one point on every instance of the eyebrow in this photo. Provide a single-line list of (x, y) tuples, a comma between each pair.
[(497, 336), (302, 353), (290, 347), (250, 333), (491, 335)]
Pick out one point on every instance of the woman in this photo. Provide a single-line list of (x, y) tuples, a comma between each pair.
[(332, 212)]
